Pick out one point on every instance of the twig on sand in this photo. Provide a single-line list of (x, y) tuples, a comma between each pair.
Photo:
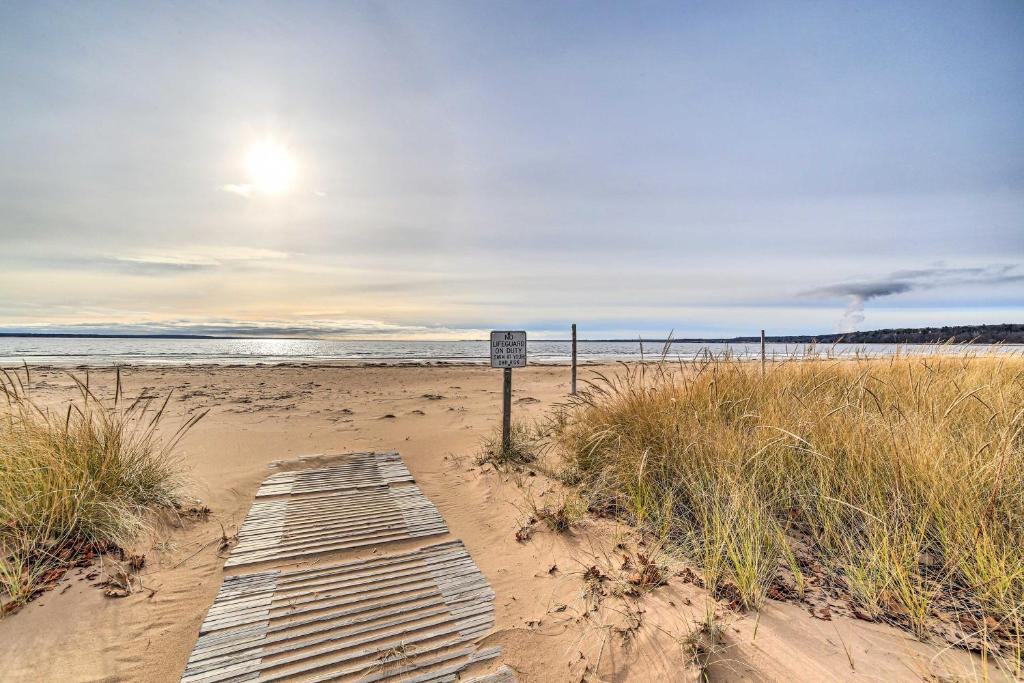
[(849, 657)]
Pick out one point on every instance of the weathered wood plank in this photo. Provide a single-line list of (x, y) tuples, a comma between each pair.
[(347, 621), (409, 617), (332, 521), (357, 471)]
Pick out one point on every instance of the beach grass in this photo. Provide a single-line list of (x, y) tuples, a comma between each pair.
[(86, 474), (523, 446), (902, 478)]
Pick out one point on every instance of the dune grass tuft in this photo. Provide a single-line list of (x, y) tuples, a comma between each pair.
[(523, 447), (903, 477), (87, 474)]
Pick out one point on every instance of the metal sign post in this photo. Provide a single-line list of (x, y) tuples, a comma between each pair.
[(508, 350)]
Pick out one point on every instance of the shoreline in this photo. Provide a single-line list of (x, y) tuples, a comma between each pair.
[(651, 359)]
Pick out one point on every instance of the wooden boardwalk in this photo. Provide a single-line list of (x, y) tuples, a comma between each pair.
[(359, 470), (299, 526), (409, 617)]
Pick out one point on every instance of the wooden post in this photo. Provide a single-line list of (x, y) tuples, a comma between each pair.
[(572, 389), (506, 412), (762, 353)]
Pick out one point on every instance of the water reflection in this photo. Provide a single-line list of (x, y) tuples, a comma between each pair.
[(40, 351)]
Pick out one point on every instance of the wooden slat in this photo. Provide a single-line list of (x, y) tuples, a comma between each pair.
[(502, 675), (358, 470), (408, 617), (331, 521)]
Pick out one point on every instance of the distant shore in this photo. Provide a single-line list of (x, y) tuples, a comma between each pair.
[(1003, 333)]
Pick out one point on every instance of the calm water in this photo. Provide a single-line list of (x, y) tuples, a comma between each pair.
[(37, 351)]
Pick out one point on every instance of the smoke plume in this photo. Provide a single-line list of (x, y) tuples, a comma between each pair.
[(858, 294)]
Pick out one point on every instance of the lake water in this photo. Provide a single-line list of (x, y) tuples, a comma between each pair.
[(71, 352)]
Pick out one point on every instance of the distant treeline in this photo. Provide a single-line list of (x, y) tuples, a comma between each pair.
[(1009, 333)]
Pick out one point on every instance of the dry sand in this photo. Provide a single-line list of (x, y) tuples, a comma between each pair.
[(551, 622)]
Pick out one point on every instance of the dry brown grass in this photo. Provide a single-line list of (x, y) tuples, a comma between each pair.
[(523, 447), (86, 475), (903, 477)]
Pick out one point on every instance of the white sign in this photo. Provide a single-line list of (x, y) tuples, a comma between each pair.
[(508, 349)]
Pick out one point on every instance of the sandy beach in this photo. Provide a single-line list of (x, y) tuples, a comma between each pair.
[(549, 623), (258, 259)]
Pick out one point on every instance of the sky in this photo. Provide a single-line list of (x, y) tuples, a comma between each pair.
[(434, 169)]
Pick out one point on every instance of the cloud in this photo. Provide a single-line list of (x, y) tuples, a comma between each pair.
[(241, 189), (195, 259), (903, 281), (246, 190), (225, 327)]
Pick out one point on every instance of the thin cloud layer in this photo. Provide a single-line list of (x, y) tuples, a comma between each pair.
[(241, 189), (257, 328), (198, 258)]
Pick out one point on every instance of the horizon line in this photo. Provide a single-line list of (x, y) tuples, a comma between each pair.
[(835, 337)]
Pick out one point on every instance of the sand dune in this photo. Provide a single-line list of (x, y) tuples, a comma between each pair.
[(562, 613)]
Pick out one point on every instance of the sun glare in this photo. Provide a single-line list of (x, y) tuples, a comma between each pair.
[(271, 168)]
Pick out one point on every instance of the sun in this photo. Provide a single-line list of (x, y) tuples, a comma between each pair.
[(271, 167)]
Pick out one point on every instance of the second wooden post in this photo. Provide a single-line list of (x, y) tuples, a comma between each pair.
[(572, 387), (762, 353)]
